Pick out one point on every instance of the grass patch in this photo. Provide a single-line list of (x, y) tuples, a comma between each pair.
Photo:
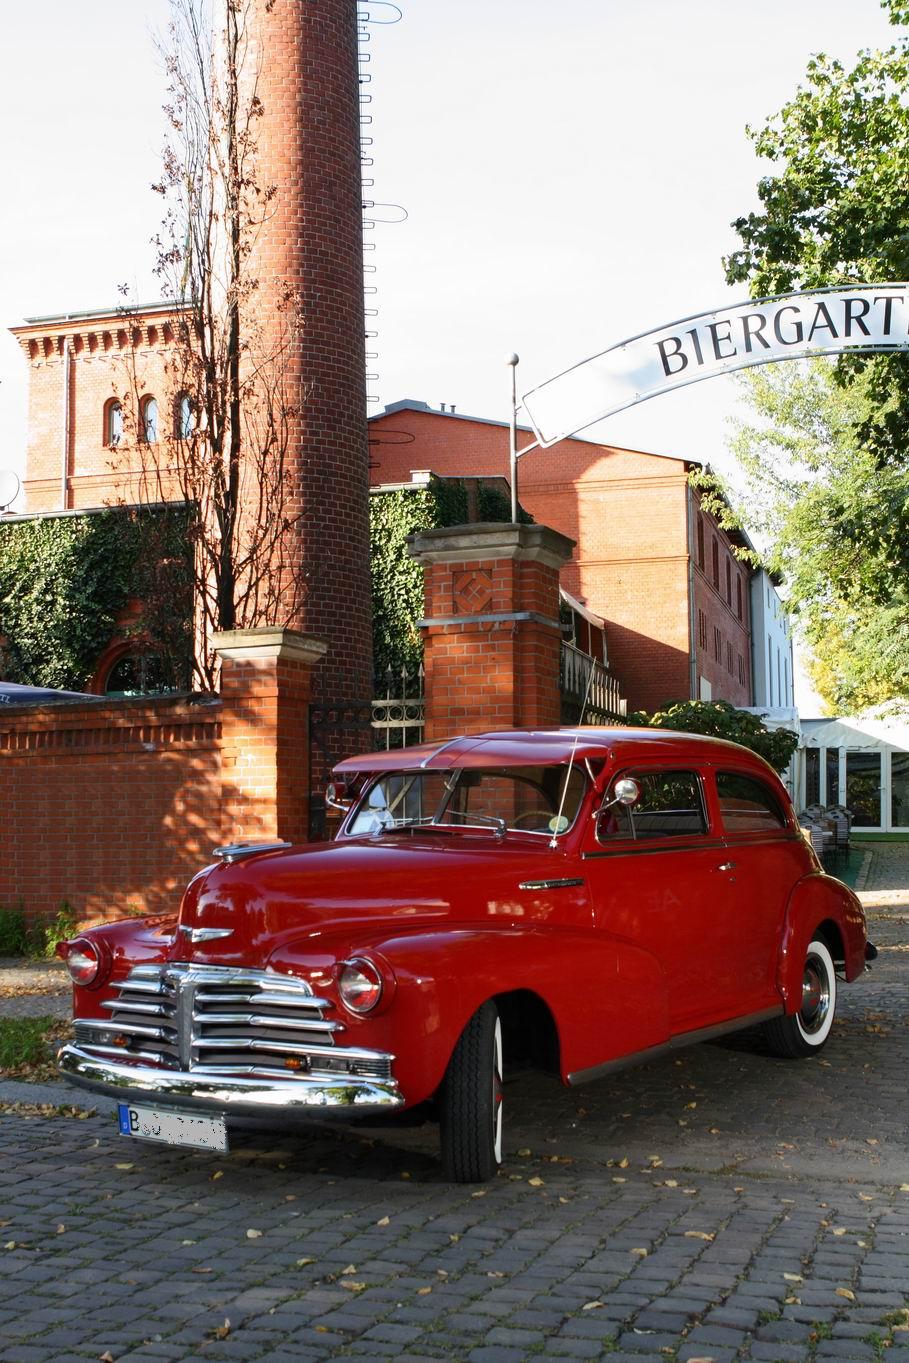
[(28, 1047)]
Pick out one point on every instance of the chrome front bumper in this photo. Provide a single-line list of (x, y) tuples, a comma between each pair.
[(233, 1095)]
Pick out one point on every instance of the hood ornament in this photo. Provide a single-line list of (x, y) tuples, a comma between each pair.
[(236, 851)]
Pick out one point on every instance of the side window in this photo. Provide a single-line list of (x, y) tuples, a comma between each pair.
[(671, 806), (747, 805)]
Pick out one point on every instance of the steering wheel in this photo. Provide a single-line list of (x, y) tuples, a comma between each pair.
[(537, 819)]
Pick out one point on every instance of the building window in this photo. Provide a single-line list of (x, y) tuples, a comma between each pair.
[(113, 423), (729, 658), (148, 419), (738, 595), (184, 417), (700, 542), (728, 583), (717, 644), (741, 670), (716, 563), (702, 629)]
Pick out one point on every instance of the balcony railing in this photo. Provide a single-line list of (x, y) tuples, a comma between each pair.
[(581, 676)]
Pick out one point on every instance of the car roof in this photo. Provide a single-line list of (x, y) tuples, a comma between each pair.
[(546, 747)]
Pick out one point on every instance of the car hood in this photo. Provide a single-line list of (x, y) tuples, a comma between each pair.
[(339, 889)]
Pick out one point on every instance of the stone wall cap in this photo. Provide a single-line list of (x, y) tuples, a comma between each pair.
[(267, 641), (490, 540)]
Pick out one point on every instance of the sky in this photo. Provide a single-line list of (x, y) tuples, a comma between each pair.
[(569, 173)]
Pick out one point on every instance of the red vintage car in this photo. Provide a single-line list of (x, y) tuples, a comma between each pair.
[(579, 899)]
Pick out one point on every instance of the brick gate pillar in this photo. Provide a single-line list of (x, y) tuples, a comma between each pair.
[(266, 682), (491, 633)]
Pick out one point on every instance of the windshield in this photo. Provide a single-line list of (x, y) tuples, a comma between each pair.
[(529, 799)]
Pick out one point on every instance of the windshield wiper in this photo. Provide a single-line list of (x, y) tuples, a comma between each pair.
[(490, 820)]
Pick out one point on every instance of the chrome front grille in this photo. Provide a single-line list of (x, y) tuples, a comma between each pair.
[(224, 1020)]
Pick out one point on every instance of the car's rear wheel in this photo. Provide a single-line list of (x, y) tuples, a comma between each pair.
[(805, 1032), (471, 1108)]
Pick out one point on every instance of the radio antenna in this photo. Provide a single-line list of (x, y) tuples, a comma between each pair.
[(553, 842)]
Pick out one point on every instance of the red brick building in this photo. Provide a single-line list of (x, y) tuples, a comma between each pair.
[(648, 557)]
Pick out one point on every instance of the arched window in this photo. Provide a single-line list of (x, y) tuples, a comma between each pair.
[(148, 419), (140, 674), (184, 417), (113, 423)]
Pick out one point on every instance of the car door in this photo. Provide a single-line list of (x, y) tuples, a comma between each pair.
[(766, 857), (661, 884)]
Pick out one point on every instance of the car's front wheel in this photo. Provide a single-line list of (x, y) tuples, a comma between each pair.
[(471, 1109), (805, 1032)]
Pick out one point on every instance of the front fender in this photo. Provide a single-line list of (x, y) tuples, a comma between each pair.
[(818, 900), (443, 978)]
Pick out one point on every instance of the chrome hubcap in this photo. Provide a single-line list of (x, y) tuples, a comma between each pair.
[(815, 996)]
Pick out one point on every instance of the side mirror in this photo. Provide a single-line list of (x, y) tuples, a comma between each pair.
[(337, 797), (626, 792)]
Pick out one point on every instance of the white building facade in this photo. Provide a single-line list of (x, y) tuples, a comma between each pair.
[(771, 647)]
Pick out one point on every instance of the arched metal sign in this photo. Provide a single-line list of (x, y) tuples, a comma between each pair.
[(861, 317)]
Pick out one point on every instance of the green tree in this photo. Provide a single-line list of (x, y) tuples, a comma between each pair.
[(835, 208), (719, 719), (826, 471), (837, 523)]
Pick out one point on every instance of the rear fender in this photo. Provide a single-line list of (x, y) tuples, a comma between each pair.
[(820, 905)]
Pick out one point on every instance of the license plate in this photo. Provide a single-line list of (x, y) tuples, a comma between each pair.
[(171, 1127)]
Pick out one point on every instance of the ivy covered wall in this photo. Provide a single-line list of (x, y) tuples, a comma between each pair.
[(397, 580), (65, 581)]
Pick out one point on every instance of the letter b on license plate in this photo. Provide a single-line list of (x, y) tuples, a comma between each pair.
[(172, 1127)]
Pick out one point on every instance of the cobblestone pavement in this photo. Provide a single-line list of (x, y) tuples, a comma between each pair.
[(716, 1205)]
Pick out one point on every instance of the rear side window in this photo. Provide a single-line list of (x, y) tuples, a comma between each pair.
[(747, 805), (671, 806)]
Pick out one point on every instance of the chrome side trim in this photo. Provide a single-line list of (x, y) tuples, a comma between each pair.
[(232, 1094), (675, 1043), (565, 884)]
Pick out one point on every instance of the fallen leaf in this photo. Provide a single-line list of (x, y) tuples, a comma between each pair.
[(187, 1242), (353, 1286), (301, 1263), (793, 1301), (845, 1293), (699, 1234), (623, 1163), (200, 1270), (536, 1182), (714, 1130), (254, 1234), (481, 1192), (124, 1166), (423, 1291), (454, 1239), (220, 1331), (219, 1173), (524, 1154), (106, 1357), (10, 1244), (865, 1197), (671, 1183), (494, 1273), (793, 1277), (616, 1179), (871, 1140), (441, 1272), (385, 1221), (904, 1187), (592, 1306), (641, 1253), (349, 1269), (60, 1229)]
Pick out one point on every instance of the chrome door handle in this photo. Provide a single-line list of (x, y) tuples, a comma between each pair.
[(726, 866)]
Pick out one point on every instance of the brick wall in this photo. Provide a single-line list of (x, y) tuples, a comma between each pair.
[(110, 806), (113, 805)]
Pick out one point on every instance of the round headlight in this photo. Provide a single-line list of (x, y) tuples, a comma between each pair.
[(360, 985), (83, 961)]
